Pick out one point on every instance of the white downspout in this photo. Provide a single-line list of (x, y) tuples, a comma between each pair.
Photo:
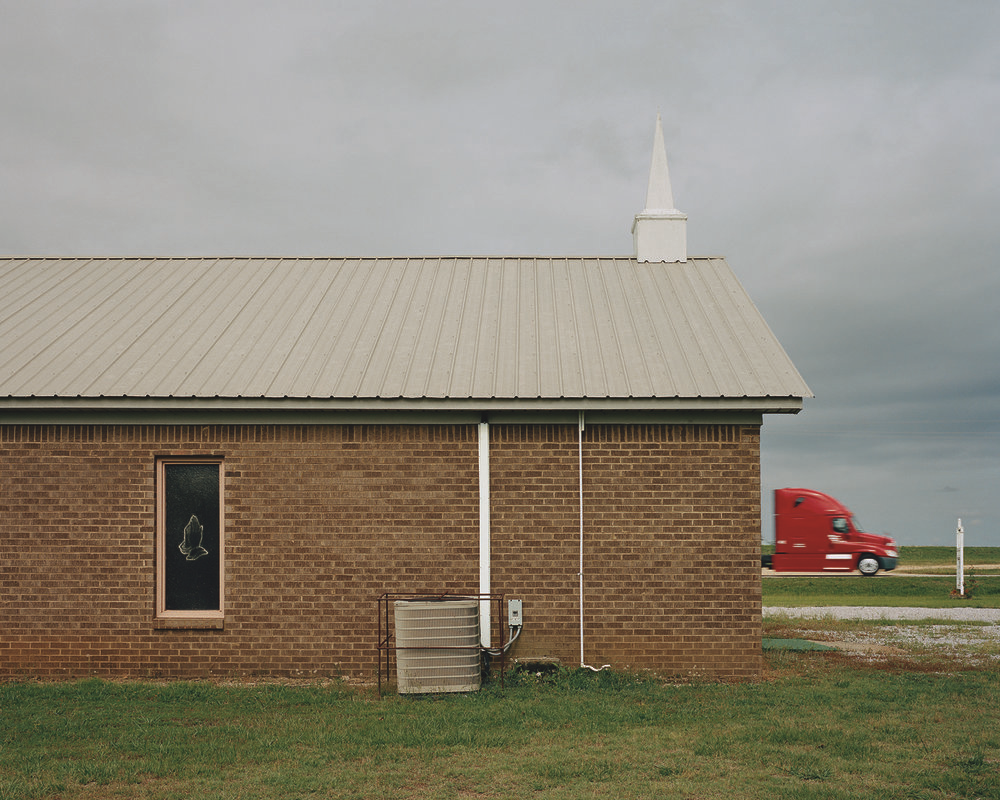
[(580, 443), (583, 662), (484, 531)]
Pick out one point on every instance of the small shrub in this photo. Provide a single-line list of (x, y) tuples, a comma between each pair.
[(971, 584)]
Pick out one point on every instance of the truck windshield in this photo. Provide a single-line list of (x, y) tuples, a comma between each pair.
[(857, 525)]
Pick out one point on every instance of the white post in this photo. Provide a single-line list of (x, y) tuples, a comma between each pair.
[(960, 553)]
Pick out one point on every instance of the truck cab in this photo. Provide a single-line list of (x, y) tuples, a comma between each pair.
[(814, 532)]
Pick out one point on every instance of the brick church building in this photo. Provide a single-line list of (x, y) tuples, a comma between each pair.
[(215, 466)]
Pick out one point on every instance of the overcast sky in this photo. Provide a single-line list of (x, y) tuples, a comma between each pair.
[(844, 157)]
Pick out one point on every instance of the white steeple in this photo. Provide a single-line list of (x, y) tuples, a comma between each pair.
[(660, 230)]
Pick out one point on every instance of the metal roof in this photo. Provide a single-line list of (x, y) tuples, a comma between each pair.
[(443, 329)]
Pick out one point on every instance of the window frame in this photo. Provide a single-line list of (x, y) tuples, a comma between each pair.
[(162, 612)]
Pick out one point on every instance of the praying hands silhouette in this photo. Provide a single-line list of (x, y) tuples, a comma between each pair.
[(191, 544)]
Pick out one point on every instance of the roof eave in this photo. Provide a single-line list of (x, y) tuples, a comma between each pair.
[(55, 405)]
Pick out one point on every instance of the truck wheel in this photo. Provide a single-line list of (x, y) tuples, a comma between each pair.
[(868, 565)]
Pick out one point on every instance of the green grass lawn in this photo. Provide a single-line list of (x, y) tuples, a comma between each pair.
[(945, 556), (818, 726), (896, 589), (881, 590), (814, 729)]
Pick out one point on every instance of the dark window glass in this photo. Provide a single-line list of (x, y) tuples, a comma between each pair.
[(192, 541)]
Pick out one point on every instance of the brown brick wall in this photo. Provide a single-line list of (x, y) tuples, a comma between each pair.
[(671, 544), (321, 519)]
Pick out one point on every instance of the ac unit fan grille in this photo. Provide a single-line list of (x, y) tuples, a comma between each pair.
[(437, 646)]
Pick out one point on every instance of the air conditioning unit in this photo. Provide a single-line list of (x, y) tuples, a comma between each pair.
[(437, 646)]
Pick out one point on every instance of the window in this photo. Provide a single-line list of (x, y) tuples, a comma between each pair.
[(189, 538)]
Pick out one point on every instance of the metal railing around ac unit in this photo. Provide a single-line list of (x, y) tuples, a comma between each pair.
[(435, 640)]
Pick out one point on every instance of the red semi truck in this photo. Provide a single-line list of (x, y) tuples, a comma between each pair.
[(813, 532)]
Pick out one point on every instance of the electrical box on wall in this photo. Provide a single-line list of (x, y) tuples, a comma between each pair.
[(514, 614)]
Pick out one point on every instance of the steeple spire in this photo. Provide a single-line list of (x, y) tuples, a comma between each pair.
[(659, 232), (659, 196)]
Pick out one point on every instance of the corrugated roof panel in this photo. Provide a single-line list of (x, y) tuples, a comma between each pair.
[(590, 356), (190, 337), (568, 342), (25, 286), (439, 339), (384, 334), (627, 315), (618, 335), (529, 335), (737, 341), (509, 327), (384, 370), (606, 331), (413, 355), (50, 304), (675, 348), (220, 334), (313, 362), (698, 336), (294, 318), (384, 328), (403, 354), (165, 334), (550, 359), (484, 357), (468, 315), (83, 325), (231, 359), (352, 352), (758, 341)]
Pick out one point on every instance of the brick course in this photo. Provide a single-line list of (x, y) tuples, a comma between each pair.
[(321, 519)]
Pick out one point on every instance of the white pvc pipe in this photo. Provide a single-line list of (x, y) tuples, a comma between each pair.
[(580, 448), (583, 661), (484, 532)]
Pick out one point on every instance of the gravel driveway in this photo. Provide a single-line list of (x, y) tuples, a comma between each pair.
[(975, 645), (886, 612)]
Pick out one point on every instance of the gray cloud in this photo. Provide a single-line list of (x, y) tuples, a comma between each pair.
[(842, 156)]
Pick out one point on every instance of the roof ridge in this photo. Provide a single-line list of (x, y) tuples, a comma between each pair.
[(521, 257)]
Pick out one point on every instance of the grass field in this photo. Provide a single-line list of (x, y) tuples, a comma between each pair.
[(907, 720), (881, 590), (913, 588), (816, 728), (945, 556)]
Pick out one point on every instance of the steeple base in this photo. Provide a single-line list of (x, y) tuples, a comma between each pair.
[(660, 237)]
